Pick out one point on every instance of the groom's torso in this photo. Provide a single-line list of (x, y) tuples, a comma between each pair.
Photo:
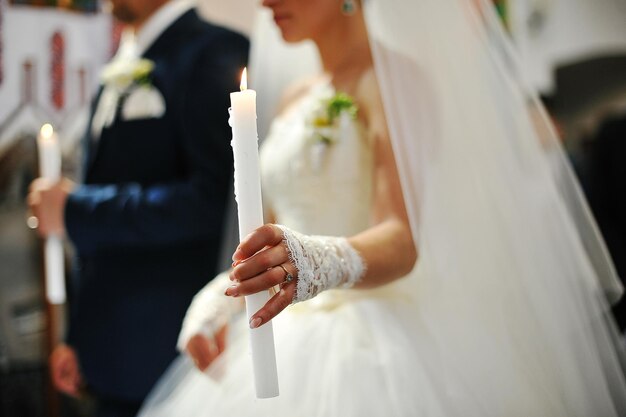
[(148, 149), (129, 301)]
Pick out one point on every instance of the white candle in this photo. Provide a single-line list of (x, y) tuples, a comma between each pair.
[(50, 168), (250, 213)]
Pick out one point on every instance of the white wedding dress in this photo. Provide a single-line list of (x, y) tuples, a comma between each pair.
[(367, 352), (344, 353)]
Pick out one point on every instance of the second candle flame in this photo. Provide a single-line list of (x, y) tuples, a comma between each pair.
[(46, 131), (244, 80)]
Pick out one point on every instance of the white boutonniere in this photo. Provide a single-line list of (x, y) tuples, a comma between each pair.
[(325, 124), (130, 79), (122, 73)]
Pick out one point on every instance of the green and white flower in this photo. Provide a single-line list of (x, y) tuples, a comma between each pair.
[(325, 118), (122, 73)]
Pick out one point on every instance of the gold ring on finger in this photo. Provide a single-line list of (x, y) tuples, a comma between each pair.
[(288, 276)]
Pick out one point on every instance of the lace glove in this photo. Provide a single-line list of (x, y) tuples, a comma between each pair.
[(322, 262), (210, 310)]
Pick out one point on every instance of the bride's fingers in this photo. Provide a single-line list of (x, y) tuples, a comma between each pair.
[(264, 281), (260, 263), (266, 235), (275, 305), (220, 339), (201, 351)]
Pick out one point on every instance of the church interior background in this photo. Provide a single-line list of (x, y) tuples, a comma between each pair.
[(51, 52)]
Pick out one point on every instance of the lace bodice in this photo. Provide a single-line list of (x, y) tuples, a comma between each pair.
[(312, 186)]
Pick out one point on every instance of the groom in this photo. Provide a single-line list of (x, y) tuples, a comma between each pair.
[(147, 222)]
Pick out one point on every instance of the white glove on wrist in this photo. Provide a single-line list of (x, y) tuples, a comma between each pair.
[(322, 262), (210, 310)]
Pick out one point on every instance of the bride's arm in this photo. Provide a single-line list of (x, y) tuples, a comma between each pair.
[(386, 249)]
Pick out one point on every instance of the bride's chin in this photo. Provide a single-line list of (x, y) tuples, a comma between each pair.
[(290, 37)]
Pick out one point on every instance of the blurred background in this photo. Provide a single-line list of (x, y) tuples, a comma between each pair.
[(51, 53)]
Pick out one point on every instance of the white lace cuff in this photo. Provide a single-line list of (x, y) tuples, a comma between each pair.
[(209, 311), (322, 262)]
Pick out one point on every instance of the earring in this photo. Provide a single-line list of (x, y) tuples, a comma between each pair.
[(348, 7)]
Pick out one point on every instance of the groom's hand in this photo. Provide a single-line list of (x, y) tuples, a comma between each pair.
[(47, 202), (64, 370)]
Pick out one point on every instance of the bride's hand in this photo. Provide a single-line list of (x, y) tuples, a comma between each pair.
[(204, 350), (203, 333), (261, 262)]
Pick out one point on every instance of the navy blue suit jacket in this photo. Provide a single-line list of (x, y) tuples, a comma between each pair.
[(147, 222)]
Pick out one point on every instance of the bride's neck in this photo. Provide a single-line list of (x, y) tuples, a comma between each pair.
[(344, 50)]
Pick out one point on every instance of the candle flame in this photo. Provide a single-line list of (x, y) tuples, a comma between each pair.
[(46, 131), (244, 80)]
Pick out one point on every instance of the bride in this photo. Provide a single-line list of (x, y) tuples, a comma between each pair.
[(471, 281)]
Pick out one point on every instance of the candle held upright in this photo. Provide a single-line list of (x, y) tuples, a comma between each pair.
[(50, 169), (250, 214)]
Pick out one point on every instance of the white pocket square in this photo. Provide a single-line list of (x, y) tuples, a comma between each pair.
[(143, 102)]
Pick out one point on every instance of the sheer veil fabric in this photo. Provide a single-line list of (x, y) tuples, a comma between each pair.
[(517, 276), (509, 310), (516, 279)]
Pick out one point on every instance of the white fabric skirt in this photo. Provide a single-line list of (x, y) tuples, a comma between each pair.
[(335, 357), (382, 353)]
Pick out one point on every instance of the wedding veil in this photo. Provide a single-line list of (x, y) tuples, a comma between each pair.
[(516, 274)]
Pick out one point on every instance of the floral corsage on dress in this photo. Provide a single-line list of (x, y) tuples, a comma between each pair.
[(329, 117)]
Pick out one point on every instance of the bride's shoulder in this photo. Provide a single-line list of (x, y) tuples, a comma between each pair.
[(295, 92), (367, 85), (367, 96)]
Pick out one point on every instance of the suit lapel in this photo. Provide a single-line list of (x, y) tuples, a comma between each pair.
[(160, 46)]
